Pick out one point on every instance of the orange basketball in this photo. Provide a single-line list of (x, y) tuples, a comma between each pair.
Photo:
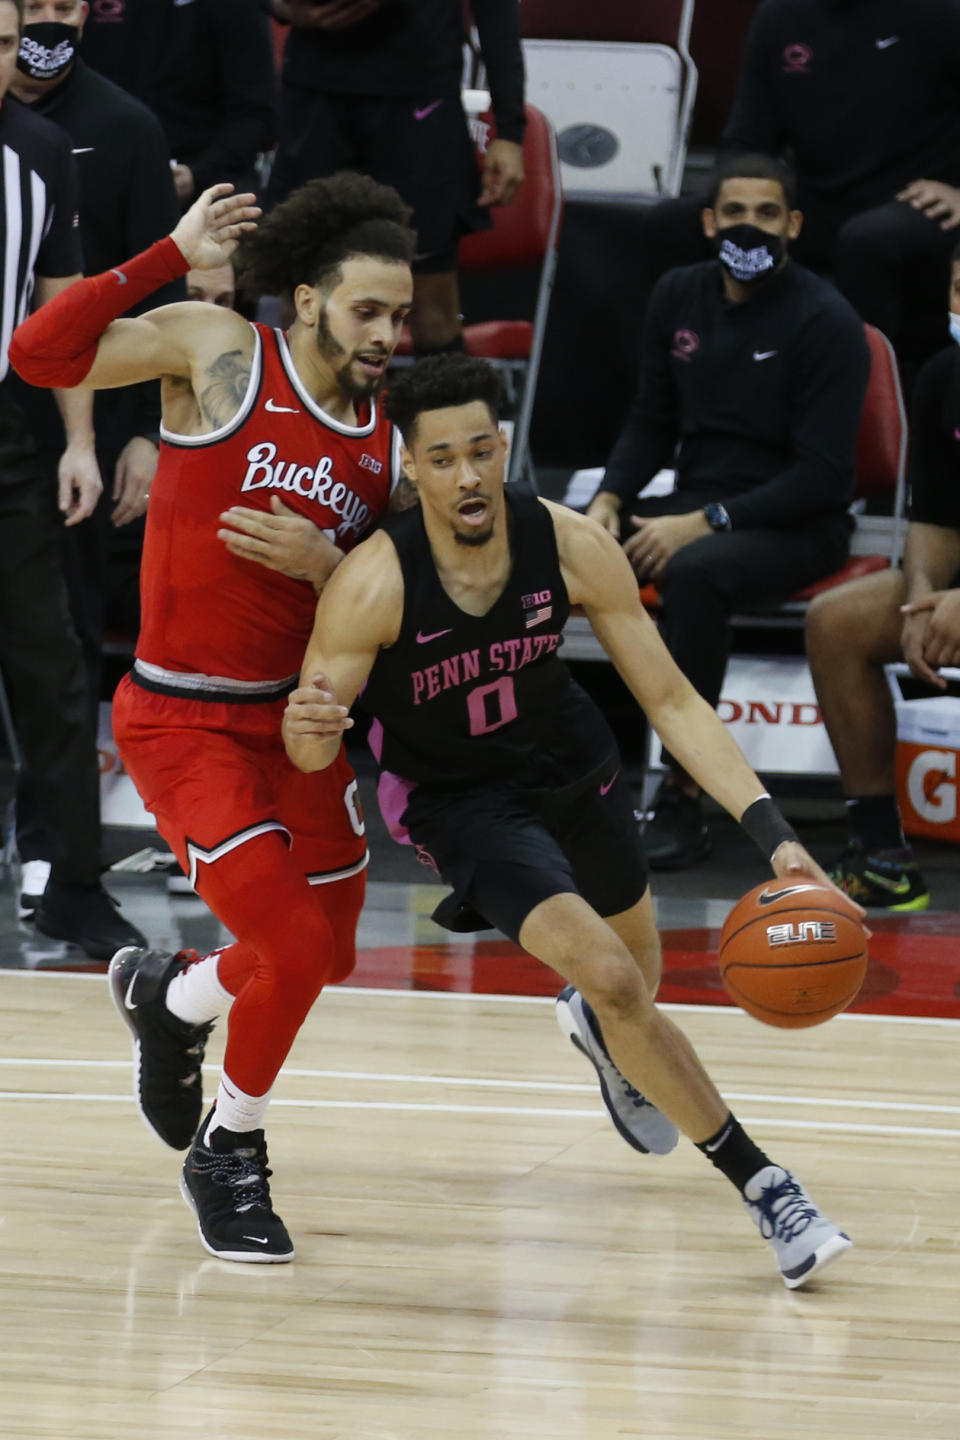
[(793, 953)]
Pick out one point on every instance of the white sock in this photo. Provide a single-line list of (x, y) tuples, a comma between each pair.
[(196, 995), (235, 1110)]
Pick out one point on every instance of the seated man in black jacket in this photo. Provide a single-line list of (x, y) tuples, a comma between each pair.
[(752, 378), (865, 97), (912, 614)]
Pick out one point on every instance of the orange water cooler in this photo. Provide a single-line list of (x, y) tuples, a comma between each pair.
[(928, 767)]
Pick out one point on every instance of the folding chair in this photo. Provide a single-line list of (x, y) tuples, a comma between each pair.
[(619, 83), (524, 235)]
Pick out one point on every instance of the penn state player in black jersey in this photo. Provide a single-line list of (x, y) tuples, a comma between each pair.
[(506, 775)]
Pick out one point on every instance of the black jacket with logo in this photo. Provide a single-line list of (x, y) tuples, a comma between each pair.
[(756, 404), (864, 94), (127, 201), (205, 67)]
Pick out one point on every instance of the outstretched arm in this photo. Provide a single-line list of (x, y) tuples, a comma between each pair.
[(79, 339), (357, 615), (598, 577)]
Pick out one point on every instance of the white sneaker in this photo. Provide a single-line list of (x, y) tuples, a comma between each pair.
[(800, 1235), (641, 1124), (34, 875)]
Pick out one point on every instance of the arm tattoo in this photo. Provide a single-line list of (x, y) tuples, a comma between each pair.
[(229, 377), (404, 495)]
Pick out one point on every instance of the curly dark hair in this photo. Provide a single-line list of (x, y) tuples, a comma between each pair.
[(306, 238), (438, 383)]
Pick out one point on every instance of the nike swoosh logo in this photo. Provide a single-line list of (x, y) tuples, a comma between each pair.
[(83, 150), (711, 1149), (257, 1239), (120, 276), (885, 44), (276, 409), (767, 898), (128, 998), (763, 354), (895, 887), (425, 639), (427, 110), (605, 789)]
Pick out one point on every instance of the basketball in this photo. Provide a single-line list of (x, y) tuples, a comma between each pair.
[(793, 953)]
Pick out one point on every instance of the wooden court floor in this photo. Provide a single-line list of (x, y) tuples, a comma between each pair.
[(479, 1257)]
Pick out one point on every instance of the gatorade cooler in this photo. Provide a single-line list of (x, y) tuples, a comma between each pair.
[(928, 767)]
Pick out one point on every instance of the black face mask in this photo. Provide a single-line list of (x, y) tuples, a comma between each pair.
[(48, 50), (748, 253)]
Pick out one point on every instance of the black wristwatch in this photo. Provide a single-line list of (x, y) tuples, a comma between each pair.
[(717, 517)]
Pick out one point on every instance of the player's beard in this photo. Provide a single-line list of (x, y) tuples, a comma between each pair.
[(333, 352)]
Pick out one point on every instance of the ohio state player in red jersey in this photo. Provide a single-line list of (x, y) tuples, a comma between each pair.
[(274, 461)]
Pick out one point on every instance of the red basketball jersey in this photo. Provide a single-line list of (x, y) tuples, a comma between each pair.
[(207, 613)]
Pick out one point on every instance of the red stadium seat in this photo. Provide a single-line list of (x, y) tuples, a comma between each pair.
[(524, 235), (880, 476)]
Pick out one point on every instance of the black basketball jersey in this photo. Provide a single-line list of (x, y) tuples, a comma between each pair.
[(467, 698)]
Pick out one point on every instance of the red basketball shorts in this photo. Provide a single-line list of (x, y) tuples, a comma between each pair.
[(216, 775)]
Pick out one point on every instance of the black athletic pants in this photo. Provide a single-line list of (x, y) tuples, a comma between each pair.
[(707, 581), (41, 659)]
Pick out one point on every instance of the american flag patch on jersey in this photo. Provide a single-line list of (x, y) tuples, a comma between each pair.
[(537, 617)]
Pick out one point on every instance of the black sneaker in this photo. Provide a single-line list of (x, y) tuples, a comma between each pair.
[(675, 835), (86, 916), (883, 879), (226, 1185), (167, 1051)]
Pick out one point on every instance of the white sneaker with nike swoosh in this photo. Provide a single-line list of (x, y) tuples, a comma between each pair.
[(641, 1124), (226, 1183)]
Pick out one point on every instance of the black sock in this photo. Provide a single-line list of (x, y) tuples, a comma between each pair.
[(734, 1153), (875, 822)]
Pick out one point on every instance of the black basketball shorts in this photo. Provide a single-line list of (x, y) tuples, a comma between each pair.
[(505, 849), (420, 145)]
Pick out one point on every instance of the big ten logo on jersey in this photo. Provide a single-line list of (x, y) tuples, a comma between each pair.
[(537, 607), (927, 791), (313, 482), (807, 932)]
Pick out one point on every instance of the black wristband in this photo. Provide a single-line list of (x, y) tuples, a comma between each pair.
[(766, 826)]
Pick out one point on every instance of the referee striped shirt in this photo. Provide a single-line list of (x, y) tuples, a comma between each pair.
[(39, 232)]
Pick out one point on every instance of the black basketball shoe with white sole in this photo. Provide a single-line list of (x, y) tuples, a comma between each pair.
[(226, 1184), (167, 1051)]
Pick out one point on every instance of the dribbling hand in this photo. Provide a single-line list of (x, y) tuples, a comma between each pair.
[(791, 861), (210, 231)]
